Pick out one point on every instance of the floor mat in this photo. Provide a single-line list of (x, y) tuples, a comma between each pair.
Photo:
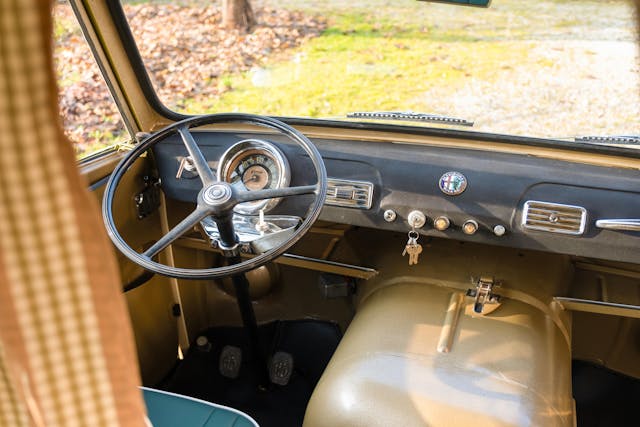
[(605, 398), (310, 342)]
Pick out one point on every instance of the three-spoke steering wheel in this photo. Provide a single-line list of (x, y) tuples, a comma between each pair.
[(216, 199)]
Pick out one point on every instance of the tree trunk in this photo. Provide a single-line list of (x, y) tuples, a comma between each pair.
[(238, 14)]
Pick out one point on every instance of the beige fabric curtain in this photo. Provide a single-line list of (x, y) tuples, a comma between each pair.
[(67, 356)]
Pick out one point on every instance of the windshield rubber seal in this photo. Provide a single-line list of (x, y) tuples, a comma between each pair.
[(124, 31)]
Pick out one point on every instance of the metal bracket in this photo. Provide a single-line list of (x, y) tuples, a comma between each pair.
[(483, 294), (148, 200), (336, 286), (229, 252)]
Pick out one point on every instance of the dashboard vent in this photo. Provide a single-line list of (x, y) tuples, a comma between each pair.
[(554, 217), (350, 194)]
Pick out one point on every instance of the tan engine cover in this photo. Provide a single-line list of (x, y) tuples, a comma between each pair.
[(509, 368)]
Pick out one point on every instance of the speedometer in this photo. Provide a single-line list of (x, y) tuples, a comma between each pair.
[(255, 169), (253, 165)]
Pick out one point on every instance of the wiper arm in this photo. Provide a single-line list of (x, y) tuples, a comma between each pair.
[(610, 139), (409, 116)]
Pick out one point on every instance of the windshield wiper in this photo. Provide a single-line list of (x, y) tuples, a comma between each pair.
[(409, 116), (610, 139)]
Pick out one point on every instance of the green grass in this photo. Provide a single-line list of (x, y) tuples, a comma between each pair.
[(362, 61)]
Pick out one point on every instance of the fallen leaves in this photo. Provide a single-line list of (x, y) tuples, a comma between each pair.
[(187, 52)]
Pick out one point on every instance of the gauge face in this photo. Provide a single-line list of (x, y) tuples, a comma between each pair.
[(252, 165), (256, 177), (255, 170)]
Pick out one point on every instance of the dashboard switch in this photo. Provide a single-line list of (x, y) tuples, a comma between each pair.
[(441, 223), (470, 227), (499, 230), (390, 215)]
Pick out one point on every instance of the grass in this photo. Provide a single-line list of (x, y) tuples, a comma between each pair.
[(360, 63), (380, 56)]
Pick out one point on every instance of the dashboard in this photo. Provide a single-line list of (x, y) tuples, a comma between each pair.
[(506, 199)]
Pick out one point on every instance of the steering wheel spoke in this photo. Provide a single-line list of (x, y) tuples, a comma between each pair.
[(183, 226), (249, 196), (200, 163)]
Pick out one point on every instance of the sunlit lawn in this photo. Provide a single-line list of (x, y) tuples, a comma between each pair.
[(410, 55)]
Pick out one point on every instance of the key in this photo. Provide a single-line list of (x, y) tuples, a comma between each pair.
[(181, 167), (413, 248), (186, 164), (414, 251), (413, 240), (410, 243)]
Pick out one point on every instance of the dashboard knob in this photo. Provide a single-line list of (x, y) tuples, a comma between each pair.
[(499, 230), (470, 227), (389, 215), (441, 223)]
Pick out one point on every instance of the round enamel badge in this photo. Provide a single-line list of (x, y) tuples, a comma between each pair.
[(453, 183)]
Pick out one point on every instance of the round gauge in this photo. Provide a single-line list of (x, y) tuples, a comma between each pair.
[(254, 165), (256, 177)]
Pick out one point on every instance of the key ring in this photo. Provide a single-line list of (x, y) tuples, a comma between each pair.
[(414, 235)]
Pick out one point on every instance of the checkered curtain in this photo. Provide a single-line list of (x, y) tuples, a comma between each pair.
[(67, 356)]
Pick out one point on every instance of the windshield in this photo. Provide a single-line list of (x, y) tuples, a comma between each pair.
[(552, 69)]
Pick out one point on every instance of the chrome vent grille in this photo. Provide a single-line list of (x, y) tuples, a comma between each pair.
[(554, 217), (350, 194)]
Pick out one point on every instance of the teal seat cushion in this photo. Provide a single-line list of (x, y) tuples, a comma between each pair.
[(170, 410)]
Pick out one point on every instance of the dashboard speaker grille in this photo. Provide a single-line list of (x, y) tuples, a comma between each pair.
[(350, 194), (554, 217)]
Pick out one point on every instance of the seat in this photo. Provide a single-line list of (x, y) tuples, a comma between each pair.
[(67, 353), (169, 409)]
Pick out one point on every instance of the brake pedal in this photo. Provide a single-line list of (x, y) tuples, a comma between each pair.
[(281, 368), (230, 361)]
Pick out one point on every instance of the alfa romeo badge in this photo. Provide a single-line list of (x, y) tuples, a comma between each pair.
[(453, 183)]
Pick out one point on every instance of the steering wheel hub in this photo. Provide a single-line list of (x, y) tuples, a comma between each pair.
[(217, 194)]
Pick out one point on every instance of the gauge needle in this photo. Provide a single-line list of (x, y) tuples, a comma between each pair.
[(253, 177)]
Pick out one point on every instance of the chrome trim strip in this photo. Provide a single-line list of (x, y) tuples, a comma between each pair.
[(601, 307), (619, 224), (300, 261)]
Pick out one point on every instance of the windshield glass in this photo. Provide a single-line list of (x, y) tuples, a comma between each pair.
[(553, 69)]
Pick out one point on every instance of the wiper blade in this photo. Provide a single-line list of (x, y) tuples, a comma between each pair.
[(409, 116), (610, 139)]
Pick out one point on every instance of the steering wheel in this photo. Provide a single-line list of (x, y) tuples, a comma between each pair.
[(216, 199)]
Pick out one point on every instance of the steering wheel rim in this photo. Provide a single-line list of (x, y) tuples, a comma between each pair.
[(183, 126)]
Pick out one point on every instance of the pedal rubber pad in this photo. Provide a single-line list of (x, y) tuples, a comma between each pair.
[(281, 368), (230, 361)]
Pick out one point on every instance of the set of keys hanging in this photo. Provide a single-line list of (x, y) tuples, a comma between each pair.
[(416, 219), (413, 248)]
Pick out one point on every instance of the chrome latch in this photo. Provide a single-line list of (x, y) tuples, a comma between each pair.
[(484, 296)]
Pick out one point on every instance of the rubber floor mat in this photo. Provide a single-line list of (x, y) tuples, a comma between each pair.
[(310, 342), (605, 398)]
